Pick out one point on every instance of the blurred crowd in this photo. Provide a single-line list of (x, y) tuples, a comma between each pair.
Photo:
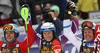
[(10, 9)]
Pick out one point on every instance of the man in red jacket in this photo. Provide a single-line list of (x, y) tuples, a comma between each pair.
[(12, 45)]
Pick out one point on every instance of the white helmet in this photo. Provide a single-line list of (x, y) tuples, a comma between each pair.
[(11, 27), (47, 26), (88, 24)]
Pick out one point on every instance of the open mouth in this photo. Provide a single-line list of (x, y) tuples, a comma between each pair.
[(8, 37), (88, 37), (48, 38)]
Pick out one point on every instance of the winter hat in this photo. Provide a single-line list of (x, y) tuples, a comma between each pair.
[(55, 7)]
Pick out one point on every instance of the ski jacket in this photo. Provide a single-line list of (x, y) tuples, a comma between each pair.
[(51, 47), (17, 46), (87, 47), (61, 38)]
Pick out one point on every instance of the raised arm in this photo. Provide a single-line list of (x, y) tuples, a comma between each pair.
[(69, 34), (59, 26), (75, 24), (38, 28), (31, 39)]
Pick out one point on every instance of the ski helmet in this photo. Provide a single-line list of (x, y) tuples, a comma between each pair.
[(86, 25), (11, 27), (48, 26)]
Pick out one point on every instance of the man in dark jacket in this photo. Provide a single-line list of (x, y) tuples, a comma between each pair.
[(58, 23)]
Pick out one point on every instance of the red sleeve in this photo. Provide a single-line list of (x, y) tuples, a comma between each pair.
[(1, 42), (31, 39)]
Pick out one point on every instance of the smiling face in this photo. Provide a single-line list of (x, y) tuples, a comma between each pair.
[(9, 35), (48, 35), (88, 35)]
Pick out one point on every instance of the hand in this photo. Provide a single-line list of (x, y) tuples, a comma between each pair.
[(67, 15), (70, 6), (52, 14), (41, 17), (70, 10), (73, 10), (28, 21)]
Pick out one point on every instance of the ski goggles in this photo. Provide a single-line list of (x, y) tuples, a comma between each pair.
[(48, 29), (87, 24), (8, 28)]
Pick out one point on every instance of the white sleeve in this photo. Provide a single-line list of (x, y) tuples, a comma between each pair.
[(70, 35)]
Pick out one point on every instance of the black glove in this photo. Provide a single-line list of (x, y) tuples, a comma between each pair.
[(70, 6), (74, 12), (67, 15), (70, 10)]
